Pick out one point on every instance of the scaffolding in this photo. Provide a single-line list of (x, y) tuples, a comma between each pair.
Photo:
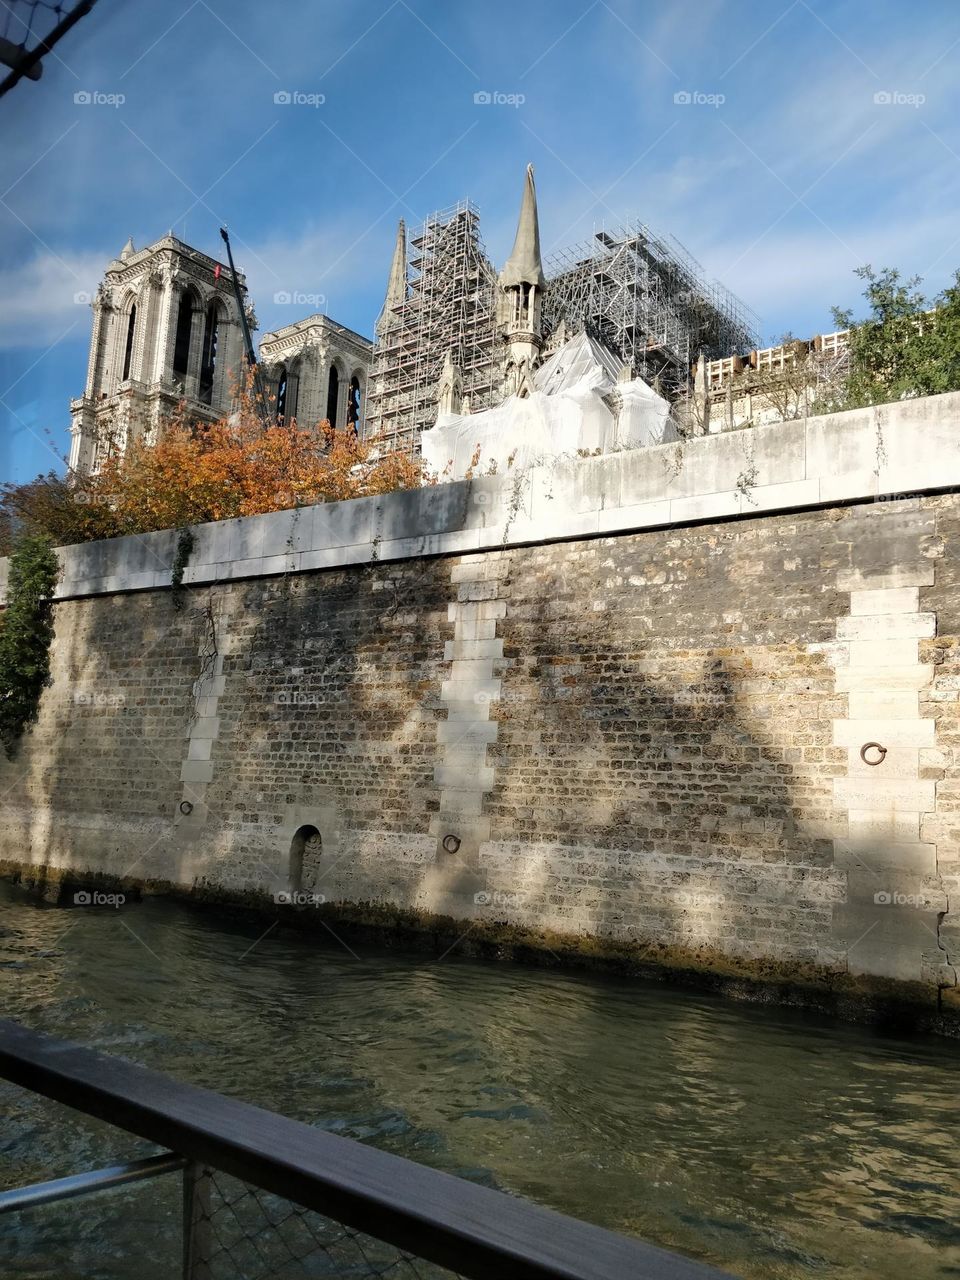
[(647, 300), (451, 308), (644, 298)]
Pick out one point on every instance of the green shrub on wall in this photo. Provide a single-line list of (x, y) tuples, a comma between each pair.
[(25, 636)]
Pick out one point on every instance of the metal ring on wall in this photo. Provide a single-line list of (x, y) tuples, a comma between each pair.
[(451, 844), (872, 746)]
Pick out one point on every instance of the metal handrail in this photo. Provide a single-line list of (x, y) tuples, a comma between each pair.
[(82, 1184), (479, 1233)]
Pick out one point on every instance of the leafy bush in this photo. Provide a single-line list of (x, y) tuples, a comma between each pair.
[(25, 636)]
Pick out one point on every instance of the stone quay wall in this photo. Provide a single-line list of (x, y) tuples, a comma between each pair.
[(623, 699)]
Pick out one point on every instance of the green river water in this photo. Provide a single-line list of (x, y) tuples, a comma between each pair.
[(777, 1145)]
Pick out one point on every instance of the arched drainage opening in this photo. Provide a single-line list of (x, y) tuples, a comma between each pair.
[(305, 851)]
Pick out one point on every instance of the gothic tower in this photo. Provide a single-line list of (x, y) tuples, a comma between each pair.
[(521, 295), (166, 329)]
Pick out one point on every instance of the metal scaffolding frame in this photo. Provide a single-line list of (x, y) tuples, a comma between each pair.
[(451, 307), (649, 301), (644, 298)]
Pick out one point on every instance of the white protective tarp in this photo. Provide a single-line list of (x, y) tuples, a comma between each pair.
[(564, 414)]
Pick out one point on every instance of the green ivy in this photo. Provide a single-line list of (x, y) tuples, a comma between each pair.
[(26, 635), (185, 542)]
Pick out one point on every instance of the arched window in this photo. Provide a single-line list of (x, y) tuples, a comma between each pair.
[(128, 349), (305, 850), (181, 346), (353, 403), (293, 390), (333, 395), (208, 361), (282, 393)]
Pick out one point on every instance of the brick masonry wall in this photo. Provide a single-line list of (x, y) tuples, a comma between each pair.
[(651, 737)]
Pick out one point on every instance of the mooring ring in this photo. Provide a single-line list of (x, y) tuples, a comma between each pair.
[(872, 746), (186, 808), (451, 844)]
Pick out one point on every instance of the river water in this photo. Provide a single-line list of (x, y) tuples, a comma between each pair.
[(775, 1144)]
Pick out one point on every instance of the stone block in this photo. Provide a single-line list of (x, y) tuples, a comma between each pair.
[(886, 857), (454, 650), (466, 690), (476, 611), (885, 601), (895, 626), (889, 733), (884, 704), (456, 732), (920, 574), (882, 653), (890, 826), (196, 771), (911, 676), (463, 778), (884, 794)]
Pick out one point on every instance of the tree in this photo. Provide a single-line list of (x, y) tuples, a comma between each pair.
[(907, 346), (201, 471)]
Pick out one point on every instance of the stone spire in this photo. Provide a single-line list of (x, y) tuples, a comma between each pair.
[(397, 283), (524, 265), (128, 250), (521, 289), (450, 387)]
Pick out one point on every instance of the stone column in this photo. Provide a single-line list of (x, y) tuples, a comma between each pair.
[(166, 331)]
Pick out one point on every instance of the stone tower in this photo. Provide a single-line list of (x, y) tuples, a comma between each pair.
[(316, 369), (522, 284), (166, 329)]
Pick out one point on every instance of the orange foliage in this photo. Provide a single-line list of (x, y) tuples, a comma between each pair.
[(234, 467)]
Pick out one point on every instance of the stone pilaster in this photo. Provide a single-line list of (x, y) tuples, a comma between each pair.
[(894, 894)]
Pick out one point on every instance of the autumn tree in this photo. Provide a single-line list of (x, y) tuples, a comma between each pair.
[(200, 471)]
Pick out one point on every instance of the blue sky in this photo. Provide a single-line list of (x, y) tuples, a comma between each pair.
[(783, 173)]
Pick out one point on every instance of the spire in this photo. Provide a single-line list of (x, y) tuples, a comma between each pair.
[(128, 250), (524, 266), (397, 283)]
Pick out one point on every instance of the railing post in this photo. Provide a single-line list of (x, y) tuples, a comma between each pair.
[(196, 1222)]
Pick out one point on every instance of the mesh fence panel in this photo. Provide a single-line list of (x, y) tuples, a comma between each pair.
[(27, 22), (244, 1233)]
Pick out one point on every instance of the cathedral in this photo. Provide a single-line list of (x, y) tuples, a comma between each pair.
[(580, 354)]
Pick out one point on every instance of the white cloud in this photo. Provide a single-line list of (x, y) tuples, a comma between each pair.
[(49, 295)]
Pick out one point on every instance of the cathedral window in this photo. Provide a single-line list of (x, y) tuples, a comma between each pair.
[(208, 362), (282, 393), (181, 346), (128, 349), (333, 395), (353, 403)]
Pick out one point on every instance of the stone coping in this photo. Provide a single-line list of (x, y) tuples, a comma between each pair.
[(895, 450)]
